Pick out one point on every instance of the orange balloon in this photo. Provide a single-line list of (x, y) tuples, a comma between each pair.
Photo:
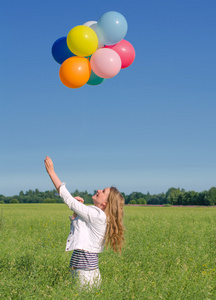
[(75, 72)]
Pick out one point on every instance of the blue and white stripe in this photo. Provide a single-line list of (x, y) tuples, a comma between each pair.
[(85, 260)]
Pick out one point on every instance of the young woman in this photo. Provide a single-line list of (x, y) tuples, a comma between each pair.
[(92, 227)]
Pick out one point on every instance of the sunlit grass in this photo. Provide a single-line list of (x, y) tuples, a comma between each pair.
[(170, 253)]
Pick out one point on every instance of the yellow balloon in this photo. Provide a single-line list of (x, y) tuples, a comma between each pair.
[(82, 40)]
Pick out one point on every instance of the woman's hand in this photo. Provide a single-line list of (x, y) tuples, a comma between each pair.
[(49, 165), (80, 199), (50, 170)]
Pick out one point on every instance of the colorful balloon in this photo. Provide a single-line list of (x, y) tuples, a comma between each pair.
[(82, 40), (111, 28), (89, 23), (60, 50), (94, 51), (94, 79), (93, 25), (75, 72), (126, 52), (105, 63)]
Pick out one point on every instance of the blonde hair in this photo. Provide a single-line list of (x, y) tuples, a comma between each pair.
[(114, 236)]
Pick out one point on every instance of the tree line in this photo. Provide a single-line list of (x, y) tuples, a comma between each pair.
[(174, 196)]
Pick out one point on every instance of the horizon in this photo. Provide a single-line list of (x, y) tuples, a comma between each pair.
[(92, 193)]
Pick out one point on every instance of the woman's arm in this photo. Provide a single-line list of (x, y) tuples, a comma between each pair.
[(85, 212), (81, 200), (50, 170)]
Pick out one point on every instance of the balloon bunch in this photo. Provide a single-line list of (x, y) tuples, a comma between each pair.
[(94, 51)]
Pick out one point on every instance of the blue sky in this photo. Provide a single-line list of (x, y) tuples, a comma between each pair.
[(149, 128)]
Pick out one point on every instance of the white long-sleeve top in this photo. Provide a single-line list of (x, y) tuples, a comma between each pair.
[(88, 228)]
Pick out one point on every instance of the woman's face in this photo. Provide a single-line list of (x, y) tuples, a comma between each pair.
[(101, 196)]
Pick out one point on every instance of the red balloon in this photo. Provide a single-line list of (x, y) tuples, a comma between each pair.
[(126, 52)]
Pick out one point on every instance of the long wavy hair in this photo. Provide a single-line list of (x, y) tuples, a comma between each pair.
[(114, 236)]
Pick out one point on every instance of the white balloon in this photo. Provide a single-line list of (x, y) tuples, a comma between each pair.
[(93, 25), (89, 23)]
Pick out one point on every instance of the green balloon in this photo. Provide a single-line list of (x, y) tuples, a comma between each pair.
[(94, 79)]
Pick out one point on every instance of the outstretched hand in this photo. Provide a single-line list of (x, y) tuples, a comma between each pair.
[(50, 170), (49, 164)]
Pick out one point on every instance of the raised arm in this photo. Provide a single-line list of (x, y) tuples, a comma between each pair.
[(50, 170), (76, 205)]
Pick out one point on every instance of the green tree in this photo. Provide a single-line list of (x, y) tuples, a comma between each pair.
[(172, 195), (142, 201), (154, 200), (76, 193), (14, 200), (48, 200), (188, 198), (210, 197), (148, 197), (21, 194), (37, 192), (132, 202)]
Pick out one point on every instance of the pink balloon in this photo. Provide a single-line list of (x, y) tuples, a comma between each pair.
[(126, 52), (105, 63)]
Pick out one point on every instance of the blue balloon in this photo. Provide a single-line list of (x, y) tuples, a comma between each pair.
[(60, 50), (111, 28)]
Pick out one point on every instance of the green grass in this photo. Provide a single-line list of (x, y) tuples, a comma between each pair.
[(170, 253)]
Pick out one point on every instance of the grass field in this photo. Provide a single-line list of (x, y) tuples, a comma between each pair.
[(170, 253)]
